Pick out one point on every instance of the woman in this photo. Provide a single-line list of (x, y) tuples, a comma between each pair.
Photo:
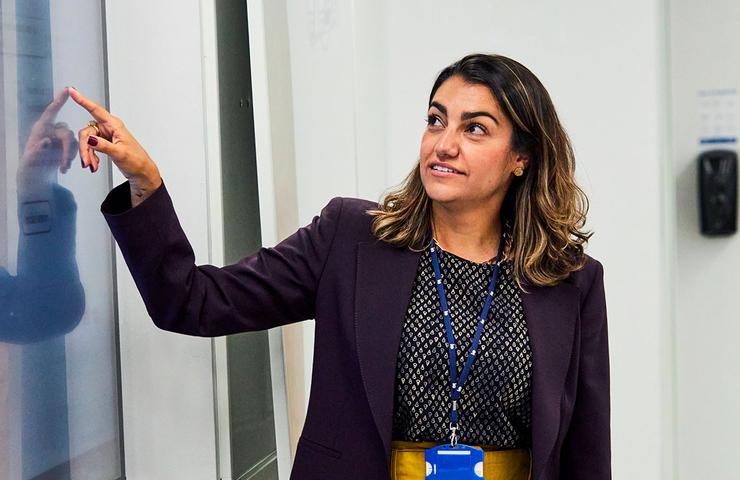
[(459, 311)]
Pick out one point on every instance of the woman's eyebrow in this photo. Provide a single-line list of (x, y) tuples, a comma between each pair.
[(465, 115), (468, 115), (439, 107)]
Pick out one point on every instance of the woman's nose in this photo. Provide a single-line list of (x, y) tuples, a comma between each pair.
[(447, 145)]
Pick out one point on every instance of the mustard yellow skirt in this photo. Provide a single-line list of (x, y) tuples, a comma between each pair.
[(407, 462)]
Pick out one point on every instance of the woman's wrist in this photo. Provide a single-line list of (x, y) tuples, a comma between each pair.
[(143, 186)]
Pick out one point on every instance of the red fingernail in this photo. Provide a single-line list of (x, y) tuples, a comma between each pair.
[(82, 162), (92, 141)]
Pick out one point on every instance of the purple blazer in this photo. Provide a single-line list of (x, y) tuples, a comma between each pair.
[(357, 289)]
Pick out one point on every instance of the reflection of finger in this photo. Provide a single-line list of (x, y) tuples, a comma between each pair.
[(69, 147), (42, 144), (99, 113), (53, 108), (38, 131), (32, 150), (66, 143), (72, 153), (67, 161)]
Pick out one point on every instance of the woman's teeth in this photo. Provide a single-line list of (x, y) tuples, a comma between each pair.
[(443, 169)]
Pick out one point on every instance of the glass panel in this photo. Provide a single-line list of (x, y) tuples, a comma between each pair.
[(253, 451), (59, 412), (250, 405)]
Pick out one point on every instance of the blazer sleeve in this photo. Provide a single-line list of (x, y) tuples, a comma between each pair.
[(45, 299), (272, 287), (586, 450)]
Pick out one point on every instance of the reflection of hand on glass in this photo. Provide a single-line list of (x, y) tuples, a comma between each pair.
[(112, 138), (45, 299), (50, 146)]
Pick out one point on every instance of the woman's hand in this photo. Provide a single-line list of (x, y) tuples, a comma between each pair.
[(114, 140)]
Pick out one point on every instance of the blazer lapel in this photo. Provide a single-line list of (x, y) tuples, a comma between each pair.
[(551, 314), (385, 277)]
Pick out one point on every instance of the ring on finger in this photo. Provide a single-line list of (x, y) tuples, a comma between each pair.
[(94, 124)]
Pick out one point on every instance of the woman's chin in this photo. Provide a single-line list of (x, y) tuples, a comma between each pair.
[(445, 197)]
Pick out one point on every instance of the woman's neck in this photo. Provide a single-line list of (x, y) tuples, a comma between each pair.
[(473, 235)]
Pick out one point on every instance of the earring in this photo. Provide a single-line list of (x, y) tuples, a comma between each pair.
[(518, 171)]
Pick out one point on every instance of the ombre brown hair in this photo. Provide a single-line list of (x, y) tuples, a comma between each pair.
[(544, 209)]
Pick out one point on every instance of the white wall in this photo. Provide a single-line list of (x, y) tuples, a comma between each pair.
[(335, 61), (362, 71), (705, 45), (168, 409)]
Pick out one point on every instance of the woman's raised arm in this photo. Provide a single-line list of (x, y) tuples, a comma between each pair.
[(273, 287)]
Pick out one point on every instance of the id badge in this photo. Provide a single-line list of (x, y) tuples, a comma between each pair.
[(461, 462)]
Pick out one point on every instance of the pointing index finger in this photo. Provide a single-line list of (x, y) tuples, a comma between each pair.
[(98, 113)]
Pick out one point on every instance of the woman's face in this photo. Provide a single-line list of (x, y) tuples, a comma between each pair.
[(468, 133)]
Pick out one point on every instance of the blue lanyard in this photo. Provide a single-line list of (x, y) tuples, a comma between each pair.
[(457, 383)]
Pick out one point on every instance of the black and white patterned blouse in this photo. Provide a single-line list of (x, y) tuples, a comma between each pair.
[(495, 404)]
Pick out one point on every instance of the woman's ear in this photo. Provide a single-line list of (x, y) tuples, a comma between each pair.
[(521, 160)]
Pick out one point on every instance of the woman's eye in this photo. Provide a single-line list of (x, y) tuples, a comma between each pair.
[(432, 120), (477, 129)]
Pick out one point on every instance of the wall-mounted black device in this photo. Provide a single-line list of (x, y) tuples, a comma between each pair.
[(718, 192)]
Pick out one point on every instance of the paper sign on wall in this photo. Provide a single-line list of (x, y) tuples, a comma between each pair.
[(718, 116)]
